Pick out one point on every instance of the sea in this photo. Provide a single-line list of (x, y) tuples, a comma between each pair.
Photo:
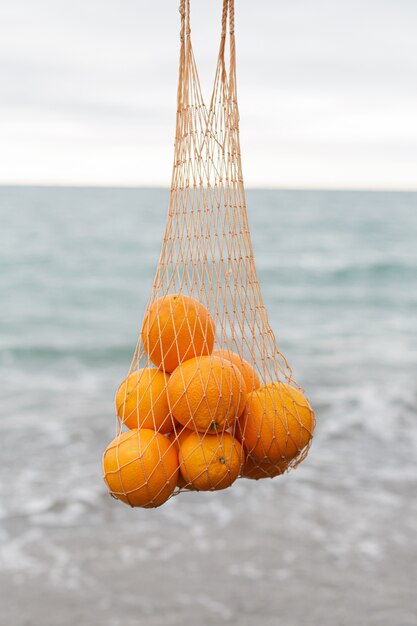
[(333, 543)]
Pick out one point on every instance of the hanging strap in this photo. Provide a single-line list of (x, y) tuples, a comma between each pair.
[(185, 50), (185, 19)]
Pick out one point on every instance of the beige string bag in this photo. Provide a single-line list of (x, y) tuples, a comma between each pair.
[(208, 397)]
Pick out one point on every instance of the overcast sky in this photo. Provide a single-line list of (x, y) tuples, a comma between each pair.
[(327, 90)]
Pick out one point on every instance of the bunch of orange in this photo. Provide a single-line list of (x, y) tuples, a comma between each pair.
[(200, 418)]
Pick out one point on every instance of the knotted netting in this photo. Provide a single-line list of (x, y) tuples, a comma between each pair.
[(208, 397)]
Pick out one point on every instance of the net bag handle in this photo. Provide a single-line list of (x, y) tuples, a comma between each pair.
[(228, 82), (228, 10)]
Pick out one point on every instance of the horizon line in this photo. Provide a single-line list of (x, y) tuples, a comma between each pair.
[(167, 188)]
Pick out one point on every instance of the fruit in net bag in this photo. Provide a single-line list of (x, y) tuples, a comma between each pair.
[(207, 394), (211, 462), (142, 400), (175, 329), (141, 468), (277, 424)]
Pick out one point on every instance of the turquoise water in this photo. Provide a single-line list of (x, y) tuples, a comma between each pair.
[(338, 273)]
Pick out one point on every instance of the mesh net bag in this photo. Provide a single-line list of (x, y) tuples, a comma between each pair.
[(208, 397)]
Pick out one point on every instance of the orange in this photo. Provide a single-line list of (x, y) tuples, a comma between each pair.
[(258, 469), (278, 423), (177, 328), (210, 461), (142, 401), (250, 376), (141, 468), (206, 393)]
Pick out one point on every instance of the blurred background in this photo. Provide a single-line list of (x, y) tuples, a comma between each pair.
[(328, 100)]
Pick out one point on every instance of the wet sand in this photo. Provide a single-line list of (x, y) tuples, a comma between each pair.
[(289, 551)]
